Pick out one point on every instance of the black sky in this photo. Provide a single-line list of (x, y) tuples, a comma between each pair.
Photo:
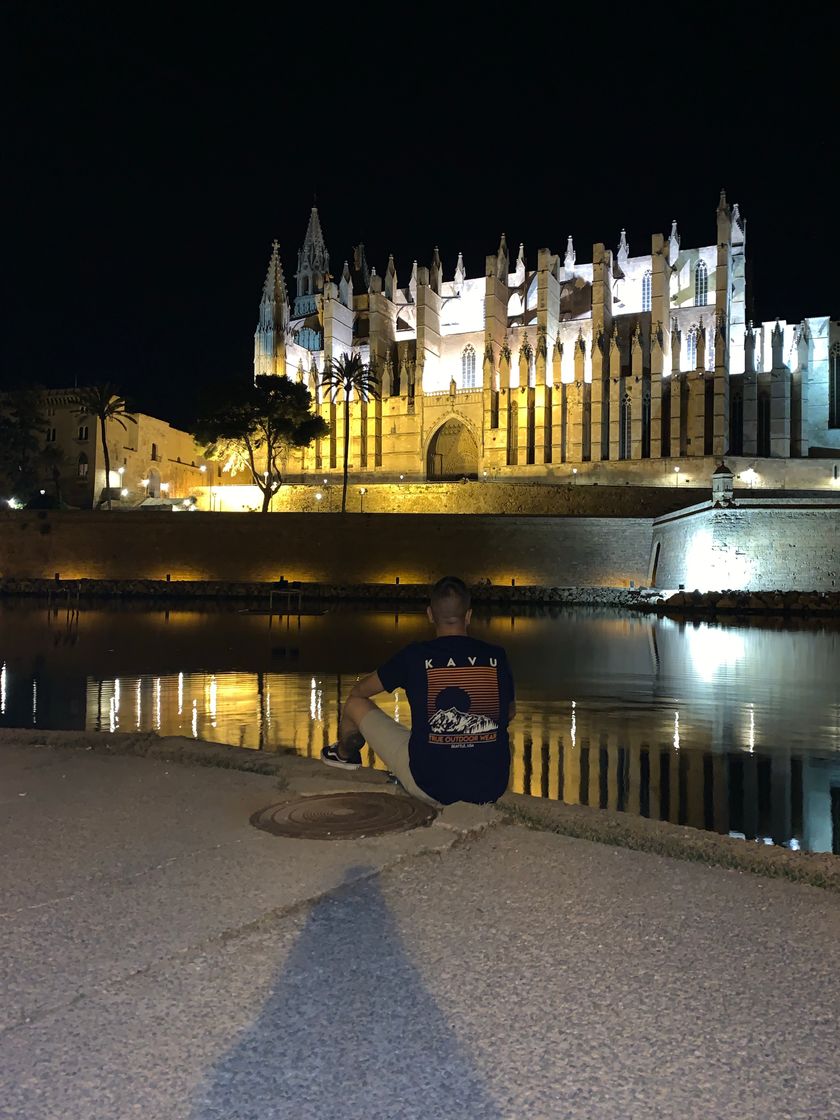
[(151, 158)]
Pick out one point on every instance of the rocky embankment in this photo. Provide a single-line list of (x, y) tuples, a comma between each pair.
[(751, 602), (682, 603)]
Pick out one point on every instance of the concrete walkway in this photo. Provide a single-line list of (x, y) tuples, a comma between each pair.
[(163, 959)]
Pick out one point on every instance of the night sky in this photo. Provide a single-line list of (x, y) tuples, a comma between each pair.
[(152, 162)]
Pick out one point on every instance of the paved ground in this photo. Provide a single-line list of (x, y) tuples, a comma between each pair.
[(152, 968)]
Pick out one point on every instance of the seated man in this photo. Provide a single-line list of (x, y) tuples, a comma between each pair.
[(461, 695)]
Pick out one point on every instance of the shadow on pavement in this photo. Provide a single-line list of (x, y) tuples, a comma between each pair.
[(347, 1031)]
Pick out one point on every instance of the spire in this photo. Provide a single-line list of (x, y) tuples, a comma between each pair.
[(723, 205), (313, 242), (412, 283), (502, 260), (569, 261), (274, 305), (623, 248), (360, 267), (345, 287), (460, 275), (739, 226), (391, 279), (673, 244), (313, 266), (436, 272), (519, 268), (270, 335)]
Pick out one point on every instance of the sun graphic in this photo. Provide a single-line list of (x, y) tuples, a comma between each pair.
[(453, 698)]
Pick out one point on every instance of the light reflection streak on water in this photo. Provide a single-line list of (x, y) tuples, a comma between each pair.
[(180, 694), (751, 729), (573, 728), (139, 714), (676, 731), (213, 694), (3, 689), (316, 700), (157, 704), (34, 702), (195, 719)]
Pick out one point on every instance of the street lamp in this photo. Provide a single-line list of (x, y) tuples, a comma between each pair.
[(318, 496), (676, 476), (574, 476), (362, 492)]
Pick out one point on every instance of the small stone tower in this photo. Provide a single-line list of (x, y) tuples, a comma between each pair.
[(723, 486)]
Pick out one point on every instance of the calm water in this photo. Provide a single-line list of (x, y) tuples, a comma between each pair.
[(729, 728)]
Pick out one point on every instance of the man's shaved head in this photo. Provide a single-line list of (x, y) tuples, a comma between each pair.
[(450, 601)]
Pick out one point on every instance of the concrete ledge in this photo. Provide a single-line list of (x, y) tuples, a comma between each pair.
[(677, 841), (301, 776), (296, 776)]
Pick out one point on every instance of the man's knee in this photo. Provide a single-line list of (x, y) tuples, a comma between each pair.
[(357, 707)]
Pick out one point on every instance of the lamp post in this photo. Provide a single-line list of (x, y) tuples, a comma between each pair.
[(574, 476), (362, 492), (676, 476)]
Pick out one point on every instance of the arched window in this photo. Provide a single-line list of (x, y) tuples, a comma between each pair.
[(83, 465), (468, 368), (691, 347), (834, 386), (701, 284), (647, 281), (626, 427)]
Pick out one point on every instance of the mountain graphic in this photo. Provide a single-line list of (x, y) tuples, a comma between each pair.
[(450, 719)]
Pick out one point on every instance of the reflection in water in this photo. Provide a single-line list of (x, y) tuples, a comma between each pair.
[(726, 728)]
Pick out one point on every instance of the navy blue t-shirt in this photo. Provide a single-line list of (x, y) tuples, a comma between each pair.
[(460, 690)]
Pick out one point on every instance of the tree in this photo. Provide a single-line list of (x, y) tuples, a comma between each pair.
[(350, 375), (22, 428), (255, 425), (105, 403)]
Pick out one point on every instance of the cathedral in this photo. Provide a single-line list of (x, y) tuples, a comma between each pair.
[(536, 369)]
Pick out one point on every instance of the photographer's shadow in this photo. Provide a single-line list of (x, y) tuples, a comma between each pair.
[(347, 1031)]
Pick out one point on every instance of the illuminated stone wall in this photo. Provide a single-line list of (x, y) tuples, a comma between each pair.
[(325, 548), (755, 545)]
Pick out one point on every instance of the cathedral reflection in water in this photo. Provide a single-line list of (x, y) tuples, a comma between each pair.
[(734, 729), (580, 755)]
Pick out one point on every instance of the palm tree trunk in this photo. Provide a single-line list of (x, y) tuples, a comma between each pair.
[(346, 448), (107, 458)]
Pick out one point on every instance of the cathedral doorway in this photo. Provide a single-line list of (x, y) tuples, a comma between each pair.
[(453, 453)]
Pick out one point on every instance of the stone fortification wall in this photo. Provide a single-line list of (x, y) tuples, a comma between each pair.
[(354, 549), (754, 545), (488, 497)]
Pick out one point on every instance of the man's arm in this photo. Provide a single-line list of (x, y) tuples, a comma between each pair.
[(368, 686)]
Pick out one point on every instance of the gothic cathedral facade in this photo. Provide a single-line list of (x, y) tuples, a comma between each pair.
[(525, 372)]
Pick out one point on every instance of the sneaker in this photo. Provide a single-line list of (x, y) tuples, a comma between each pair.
[(331, 757)]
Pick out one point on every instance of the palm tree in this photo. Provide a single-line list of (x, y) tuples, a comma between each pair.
[(105, 403), (350, 374)]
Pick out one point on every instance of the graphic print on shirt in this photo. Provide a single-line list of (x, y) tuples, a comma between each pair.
[(463, 705)]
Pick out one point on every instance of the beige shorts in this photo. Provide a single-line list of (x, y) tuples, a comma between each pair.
[(389, 741)]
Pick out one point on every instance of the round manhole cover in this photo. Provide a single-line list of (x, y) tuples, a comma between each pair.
[(343, 816)]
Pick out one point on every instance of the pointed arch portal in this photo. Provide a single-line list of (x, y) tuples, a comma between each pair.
[(453, 453)]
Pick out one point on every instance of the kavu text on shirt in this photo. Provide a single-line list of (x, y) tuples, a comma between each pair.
[(459, 690)]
